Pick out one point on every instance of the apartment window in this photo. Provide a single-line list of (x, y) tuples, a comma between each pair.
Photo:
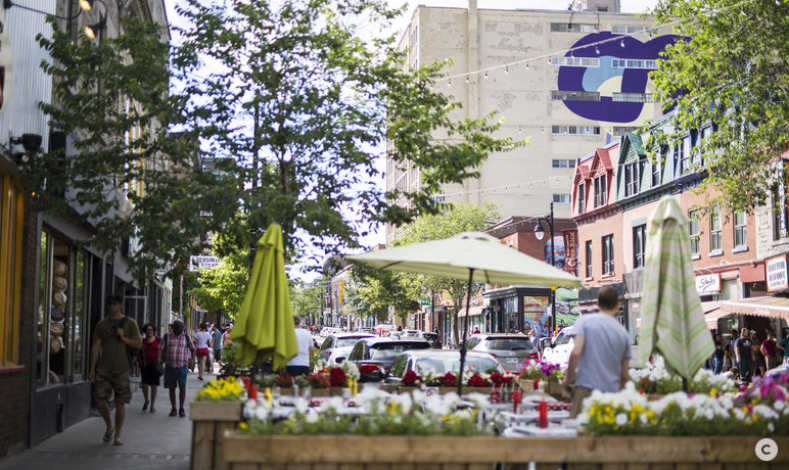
[(620, 131), (581, 198), (600, 191), (11, 215), (561, 198), (633, 64), (439, 198), (573, 28), (693, 231), (633, 98), (563, 61), (631, 179), (575, 95), (576, 130), (779, 213), (589, 258), (683, 154), (608, 254), (639, 245), (633, 30), (740, 230), (563, 163), (657, 166), (715, 230)]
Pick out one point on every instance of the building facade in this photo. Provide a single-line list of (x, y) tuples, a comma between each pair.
[(564, 79)]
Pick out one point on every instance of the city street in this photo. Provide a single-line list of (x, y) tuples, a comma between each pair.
[(154, 441)]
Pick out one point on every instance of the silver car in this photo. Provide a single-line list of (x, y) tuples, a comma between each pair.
[(511, 350), (438, 361), (337, 347)]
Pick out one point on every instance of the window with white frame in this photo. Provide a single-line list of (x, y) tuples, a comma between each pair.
[(633, 64), (589, 270), (573, 28), (565, 95), (608, 254), (600, 191), (561, 198), (740, 230), (683, 154), (576, 130), (581, 198), (632, 178), (633, 30), (639, 245), (716, 236), (563, 163), (693, 232)]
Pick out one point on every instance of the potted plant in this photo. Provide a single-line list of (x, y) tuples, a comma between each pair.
[(216, 409)]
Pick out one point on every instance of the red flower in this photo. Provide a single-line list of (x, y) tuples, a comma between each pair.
[(285, 380), (450, 380), (337, 377), (498, 379), (476, 381), (318, 381), (410, 379)]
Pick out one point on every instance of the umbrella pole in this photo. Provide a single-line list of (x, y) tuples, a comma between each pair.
[(465, 333), (684, 384)]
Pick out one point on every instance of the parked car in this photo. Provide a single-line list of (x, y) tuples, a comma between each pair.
[(560, 348), (365, 330), (432, 338), (438, 362), (511, 350), (337, 346), (409, 334), (383, 329), (374, 356)]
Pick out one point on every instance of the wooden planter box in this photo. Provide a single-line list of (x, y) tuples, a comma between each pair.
[(482, 453), (210, 420), (530, 385)]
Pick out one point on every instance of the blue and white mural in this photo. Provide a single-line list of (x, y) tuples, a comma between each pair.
[(616, 66)]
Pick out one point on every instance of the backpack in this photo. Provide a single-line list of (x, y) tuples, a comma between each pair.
[(131, 353)]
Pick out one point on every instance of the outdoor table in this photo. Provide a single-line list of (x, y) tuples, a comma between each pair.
[(511, 418), (531, 430)]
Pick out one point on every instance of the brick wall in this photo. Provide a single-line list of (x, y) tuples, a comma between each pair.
[(15, 381)]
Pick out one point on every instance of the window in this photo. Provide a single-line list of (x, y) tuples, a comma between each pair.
[(600, 191), (608, 254), (740, 230), (575, 95), (693, 231), (589, 258), (779, 213), (657, 166), (639, 245), (715, 229), (633, 30), (631, 179), (439, 197), (633, 98), (575, 62), (633, 64), (561, 198), (11, 221), (620, 131), (573, 28), (576, 130), (581, 198), (563, 163), (683, 155)]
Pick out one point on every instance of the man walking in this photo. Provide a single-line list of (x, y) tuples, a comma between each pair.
[(601, 353), (178, 352), (770, 350), (300, 364), (217, 337), (744, 355), (110, 367)]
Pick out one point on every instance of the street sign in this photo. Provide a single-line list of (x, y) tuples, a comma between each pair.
[(202, 262), (425, 301)]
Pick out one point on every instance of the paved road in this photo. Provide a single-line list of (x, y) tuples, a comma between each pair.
[(154, 441)]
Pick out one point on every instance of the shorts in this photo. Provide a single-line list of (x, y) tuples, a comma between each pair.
[(579, 395), (202, 352), (217, 354), (174, 376), (117, 382)]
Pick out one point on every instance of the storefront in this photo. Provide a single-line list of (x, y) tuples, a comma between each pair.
[(512, 308)]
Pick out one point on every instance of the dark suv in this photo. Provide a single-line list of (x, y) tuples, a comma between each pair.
[(374, 356)]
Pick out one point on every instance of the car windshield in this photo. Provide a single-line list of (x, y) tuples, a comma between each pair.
[(385, 351), (509, 344), (348, 341), (442, 365), (410, 333), (563, 338)]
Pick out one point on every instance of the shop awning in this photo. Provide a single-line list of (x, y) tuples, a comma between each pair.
[(472, 312), (774, 307), (713, 317)]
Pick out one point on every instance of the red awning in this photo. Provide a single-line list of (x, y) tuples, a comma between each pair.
[(774, 307)]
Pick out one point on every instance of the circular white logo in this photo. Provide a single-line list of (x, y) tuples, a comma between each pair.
[(766, 449)]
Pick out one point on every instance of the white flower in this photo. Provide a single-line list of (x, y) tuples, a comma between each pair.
[(621, 419), (771, 427), (312, 417), (403, 401), (779, 405), (301, 405), (261, 413)]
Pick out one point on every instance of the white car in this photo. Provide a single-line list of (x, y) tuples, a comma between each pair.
[(338, 346), (560, 349)]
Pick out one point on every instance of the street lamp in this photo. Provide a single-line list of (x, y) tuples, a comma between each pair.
[(539, 233), (85, 5)]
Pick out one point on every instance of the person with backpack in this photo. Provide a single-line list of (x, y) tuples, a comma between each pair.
[(150, 371), (177, 351), (116, 340)]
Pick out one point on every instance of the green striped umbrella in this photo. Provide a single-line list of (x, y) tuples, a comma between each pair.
[(672, 321)]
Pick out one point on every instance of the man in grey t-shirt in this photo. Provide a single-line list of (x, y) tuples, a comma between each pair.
[(601, 353)]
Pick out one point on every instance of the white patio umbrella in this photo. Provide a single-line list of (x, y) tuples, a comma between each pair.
[(473, 255)]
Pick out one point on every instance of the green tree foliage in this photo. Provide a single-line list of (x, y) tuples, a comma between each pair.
[(376, 290), (222, 288), (732, 71), (455, 219), (306, 300)]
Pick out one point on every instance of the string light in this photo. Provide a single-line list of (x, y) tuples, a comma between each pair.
[(520, 130), (622, 43), (527, 66), (449, 82), (507, 70), (467, 80), (486, 75), (597, 50)]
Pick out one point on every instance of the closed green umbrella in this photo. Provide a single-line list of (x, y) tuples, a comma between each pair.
[(672, 321), (473, 255), (264, 326)]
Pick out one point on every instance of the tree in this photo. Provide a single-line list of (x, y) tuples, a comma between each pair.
[(455, 219), (732, 71), (305, 300), (376, 290), (223, 287)]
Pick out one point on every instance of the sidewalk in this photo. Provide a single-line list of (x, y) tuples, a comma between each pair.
[(155, 441)]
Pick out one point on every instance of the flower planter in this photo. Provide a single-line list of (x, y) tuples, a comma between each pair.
[(210, 420), (554, 389), (320, 392), (528, 385), (480, 453)]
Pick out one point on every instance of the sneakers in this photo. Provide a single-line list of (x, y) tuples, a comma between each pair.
[(200, 378), (181, 413), (173, 412), (153, 410), (145, 406)]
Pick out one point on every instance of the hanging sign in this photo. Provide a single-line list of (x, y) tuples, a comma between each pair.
[(708, 284), (775, 272)]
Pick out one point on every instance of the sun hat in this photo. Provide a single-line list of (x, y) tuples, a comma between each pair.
[(56, 329), (59, 268), (55, 346), (59, 299), (59, 283), (57, 314)]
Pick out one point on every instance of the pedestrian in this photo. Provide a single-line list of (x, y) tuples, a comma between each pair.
[(300, 364), (601, 355), (718, 354), (177, 352), (476, 331), (783, 346), (744, 356), (149, 358), (769, 349), (110, 369), (759, 363), (203, 340), (226, 336), (216, 336)]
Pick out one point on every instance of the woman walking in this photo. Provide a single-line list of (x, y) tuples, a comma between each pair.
[(204, 341), (149, 357)]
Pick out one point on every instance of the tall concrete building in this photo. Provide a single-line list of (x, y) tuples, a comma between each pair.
[(562, 79)]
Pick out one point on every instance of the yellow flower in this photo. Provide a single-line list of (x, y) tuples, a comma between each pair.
[(243, 426), (714, 393)]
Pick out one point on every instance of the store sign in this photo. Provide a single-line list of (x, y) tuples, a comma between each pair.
[(203, 262), (708, 284), (775, 272), (571, 251)]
